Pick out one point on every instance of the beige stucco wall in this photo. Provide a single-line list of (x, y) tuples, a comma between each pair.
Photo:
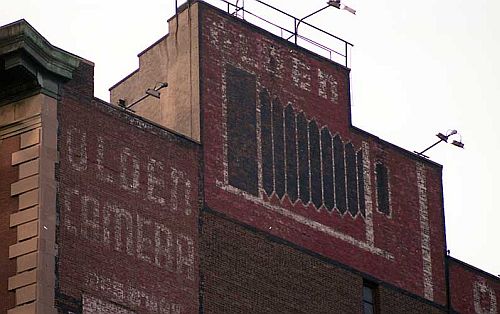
[(174, 60)]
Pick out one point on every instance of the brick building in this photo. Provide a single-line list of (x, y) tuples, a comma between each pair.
[(241, 187)]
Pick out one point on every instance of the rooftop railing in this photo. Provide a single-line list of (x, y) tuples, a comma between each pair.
[(286, 26)]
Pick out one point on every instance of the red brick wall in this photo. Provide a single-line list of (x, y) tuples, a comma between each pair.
[(472, 290), (8, 206), (245, 272), (128, 210), (392, 301), (261, 95)]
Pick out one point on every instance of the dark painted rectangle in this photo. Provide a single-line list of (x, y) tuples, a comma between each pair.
[(315, 155), (352, 183), (361, 182), (267, 142), (339, 166), (327, 160), (291, 154), (241, 130), (382, 188), (303, 144), (279, 148)]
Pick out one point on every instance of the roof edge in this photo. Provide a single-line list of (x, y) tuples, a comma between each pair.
[(20, 38)]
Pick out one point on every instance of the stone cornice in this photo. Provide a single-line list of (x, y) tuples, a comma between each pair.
[(19, 39)]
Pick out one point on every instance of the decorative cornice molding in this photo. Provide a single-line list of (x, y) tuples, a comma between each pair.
[(20, 36)]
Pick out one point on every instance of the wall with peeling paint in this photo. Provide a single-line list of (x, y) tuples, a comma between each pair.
[(281, 155), (472, 290), (127, 206)]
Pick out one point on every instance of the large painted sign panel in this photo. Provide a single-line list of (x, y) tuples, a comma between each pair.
[(280, 154), (127, 213)]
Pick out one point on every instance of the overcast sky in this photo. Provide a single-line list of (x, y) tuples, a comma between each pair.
[(418, 68)]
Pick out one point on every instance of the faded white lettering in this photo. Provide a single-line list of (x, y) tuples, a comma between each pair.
[(130, 295), (104, 174), (129, 232), (328, 86), (485, 300), (123, 216), (163, 247), (127, 176), (143, 242), (185, 256), (301, 76), (179, 176), (154, 181), (129, 170), (90, 218), (67, 221), (77, 149)]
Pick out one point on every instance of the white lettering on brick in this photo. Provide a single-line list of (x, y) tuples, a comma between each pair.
[(77, 149), (485, 300), (67, 220), (154, 189), (124, 298), (92, 305), (90, 216), (185, 256), (179, 176), (328, 86), (103, 174), (106, 221), (123, 218), (163, 247), (129, 232), (301, 74), (143, 242), (155, 167), (129, 170)]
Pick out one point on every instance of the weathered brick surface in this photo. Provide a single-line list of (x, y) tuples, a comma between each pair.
[(401, 243), (127, 206), (391, 301), (92, 304), (473, 290), (246, 272), (8, 206)]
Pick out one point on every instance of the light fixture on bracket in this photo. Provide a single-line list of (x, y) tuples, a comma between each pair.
[(155, 92), (443, 138), (330, 3), (338, 5)]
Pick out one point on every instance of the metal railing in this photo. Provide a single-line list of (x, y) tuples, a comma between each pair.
[(325, 44)]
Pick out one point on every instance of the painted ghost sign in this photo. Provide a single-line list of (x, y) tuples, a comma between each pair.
[(127, 215), (281, 155)]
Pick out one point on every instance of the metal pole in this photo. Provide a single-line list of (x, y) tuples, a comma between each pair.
[(422, 152), (305, 17), (346, 57)]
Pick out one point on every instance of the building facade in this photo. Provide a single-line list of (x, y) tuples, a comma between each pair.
[(241, 187)]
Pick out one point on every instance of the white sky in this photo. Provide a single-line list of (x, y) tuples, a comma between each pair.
[(418, 68)]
